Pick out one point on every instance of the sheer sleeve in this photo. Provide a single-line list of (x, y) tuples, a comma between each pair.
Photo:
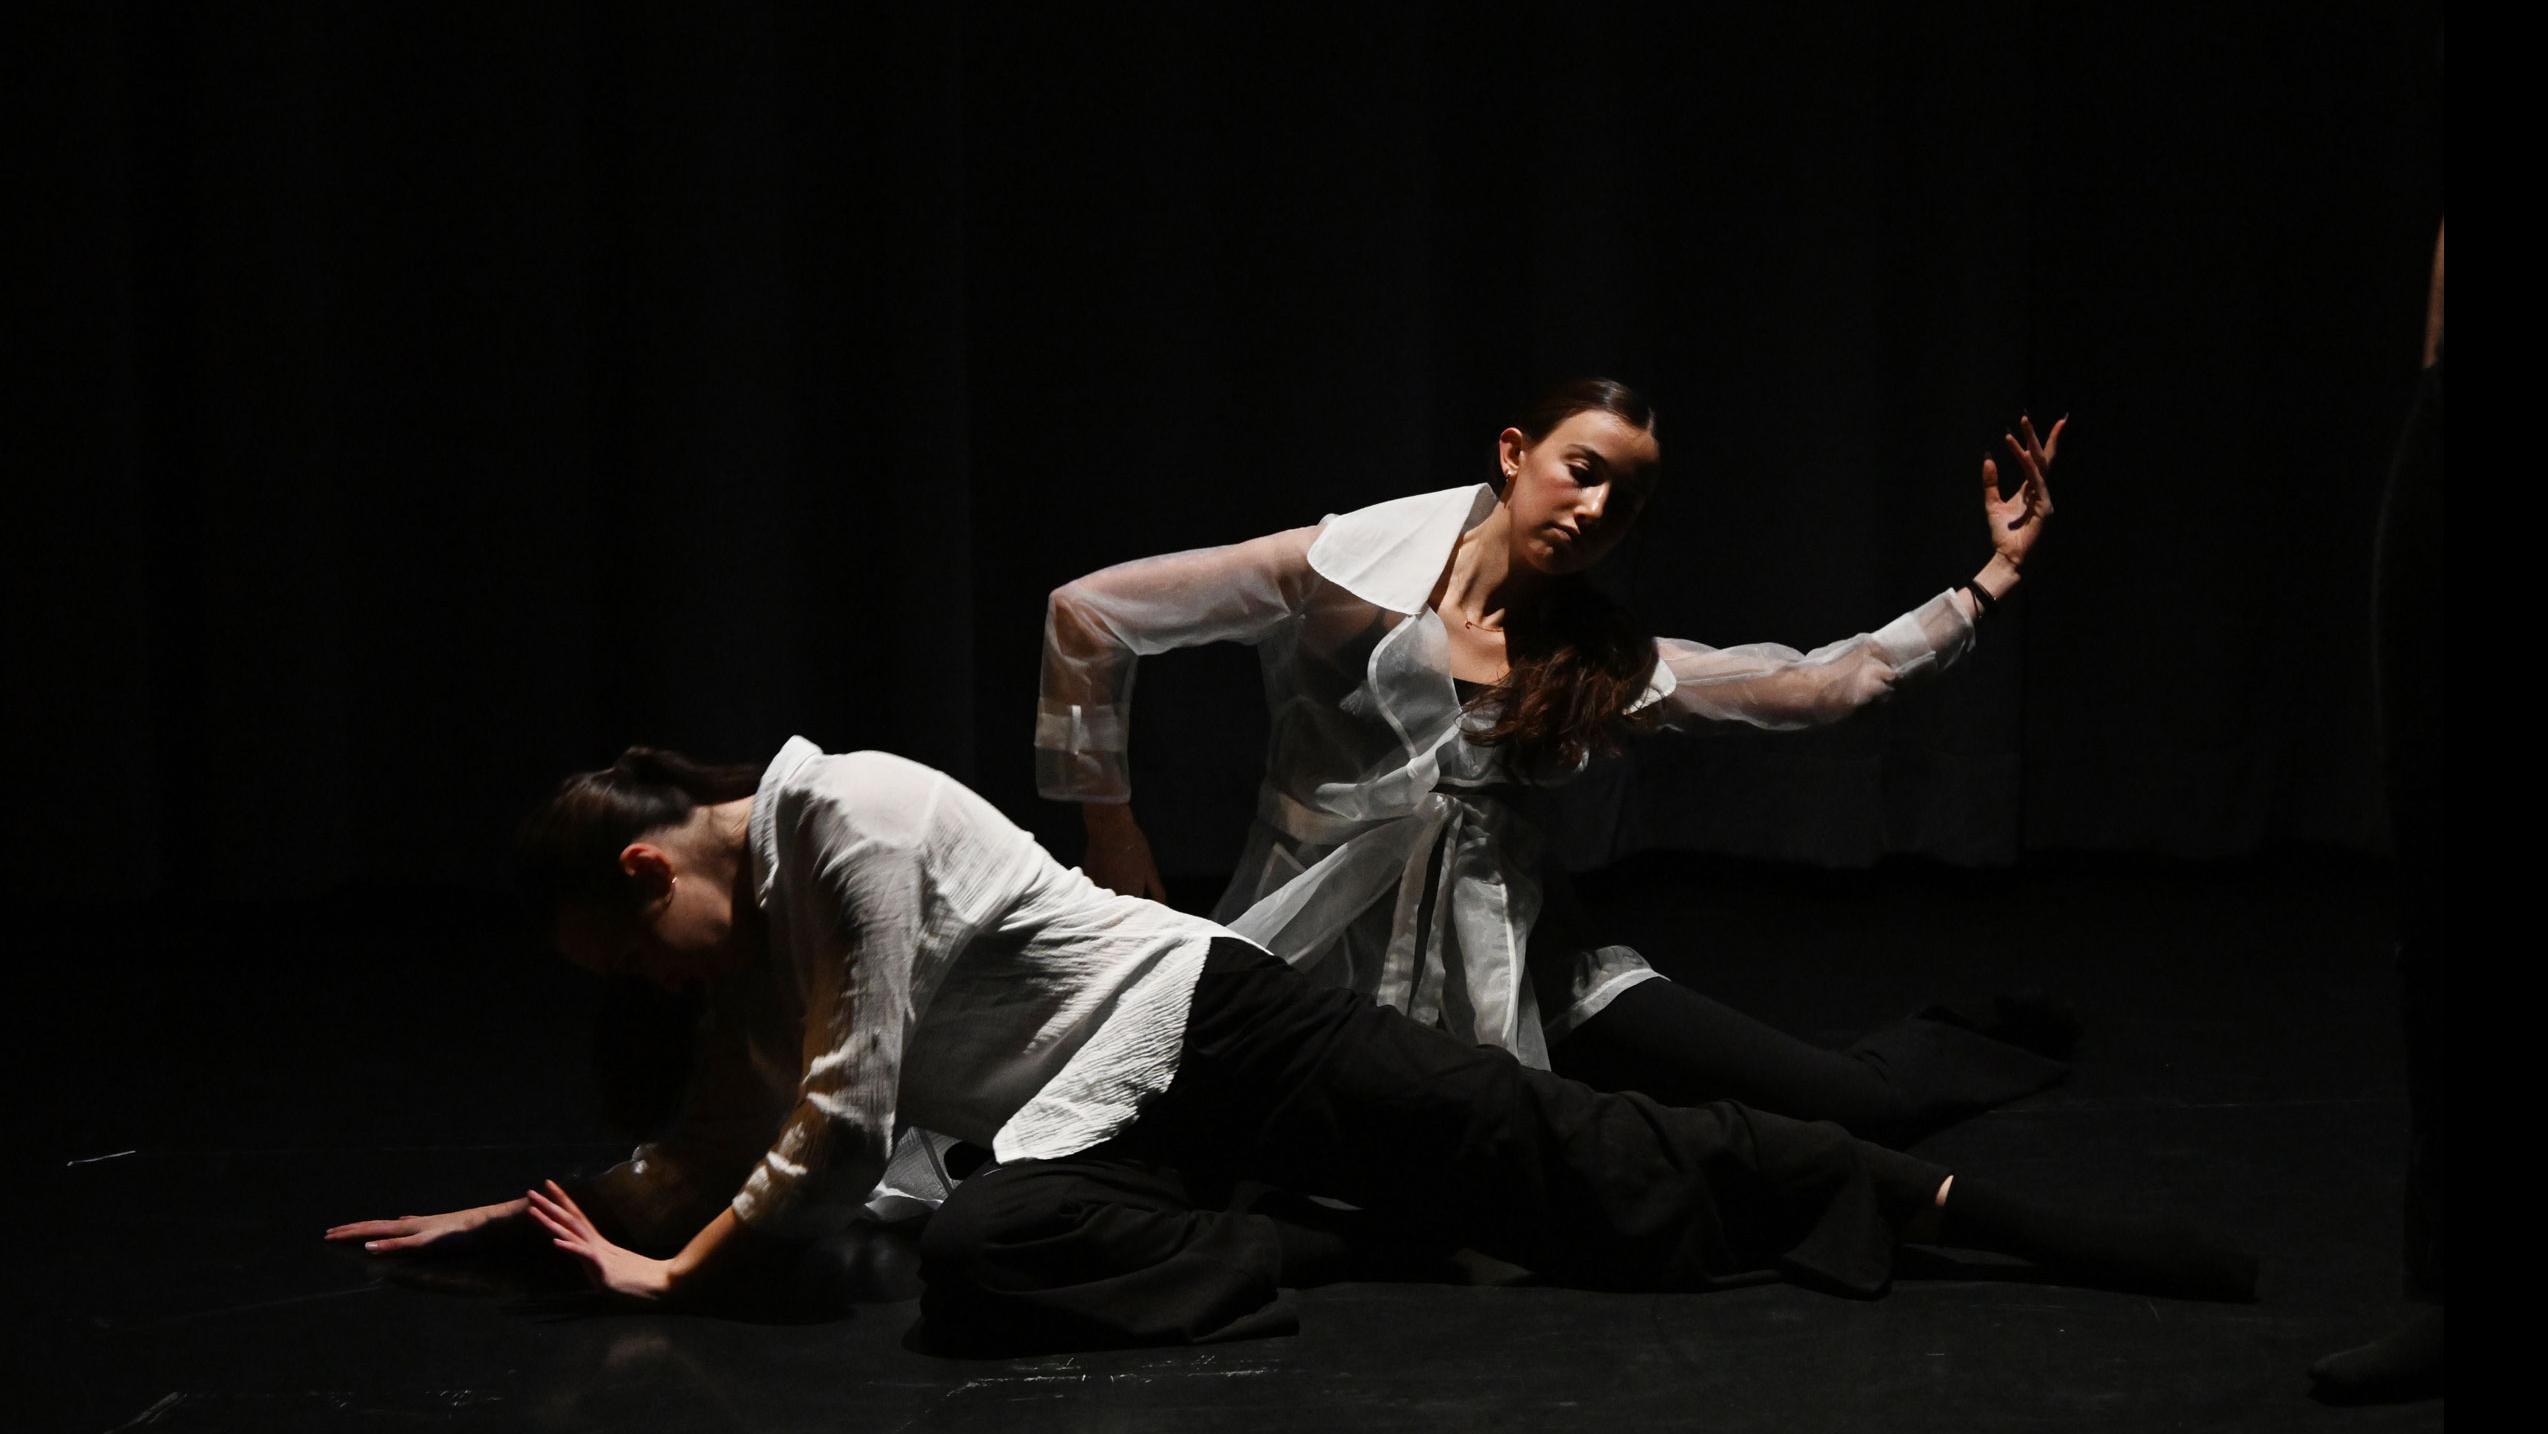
[(859, 914), (1767, 685), (1097, 627)]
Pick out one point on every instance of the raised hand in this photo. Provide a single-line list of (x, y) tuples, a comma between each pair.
[(411, 1233), (2017, 520), (609, 1267)]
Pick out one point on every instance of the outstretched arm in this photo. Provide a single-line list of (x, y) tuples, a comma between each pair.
[(1772, 686), (655, 1198), (413, 1233), (701, 1266), (717, 1253), (1095, 631)]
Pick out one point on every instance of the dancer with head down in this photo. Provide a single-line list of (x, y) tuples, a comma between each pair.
[(879, 948)]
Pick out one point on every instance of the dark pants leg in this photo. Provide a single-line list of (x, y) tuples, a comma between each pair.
[(2410, 643), (1669, 1042), (1105, 1248), (2412, 646), (1320, 1090)]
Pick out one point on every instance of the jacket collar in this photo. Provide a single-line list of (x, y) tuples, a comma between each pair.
[(1391, 554)]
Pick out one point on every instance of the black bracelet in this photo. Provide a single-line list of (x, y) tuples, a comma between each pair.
[(1982, 599)]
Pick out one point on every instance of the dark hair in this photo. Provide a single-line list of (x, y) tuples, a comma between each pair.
[(1540, 417), (1577, 659), (569, 846), (645, 1041)]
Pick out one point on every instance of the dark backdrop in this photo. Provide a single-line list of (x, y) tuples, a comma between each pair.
[(428, 399)]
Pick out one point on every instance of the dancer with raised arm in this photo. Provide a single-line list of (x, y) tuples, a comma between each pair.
[(1436, 665)]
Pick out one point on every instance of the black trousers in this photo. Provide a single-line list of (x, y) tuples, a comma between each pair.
[(1133, 1242), (2410, 615), (1667, 1041)]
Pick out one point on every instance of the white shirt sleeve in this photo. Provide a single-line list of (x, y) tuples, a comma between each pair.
[(1097, 627), (1767, 685), (856, 911)]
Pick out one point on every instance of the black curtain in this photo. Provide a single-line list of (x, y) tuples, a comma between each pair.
[(432, 399)]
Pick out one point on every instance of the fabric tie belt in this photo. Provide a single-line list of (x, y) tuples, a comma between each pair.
[(1466, 954)]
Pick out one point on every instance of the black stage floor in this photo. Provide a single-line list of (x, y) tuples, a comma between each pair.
[(223, 1085)]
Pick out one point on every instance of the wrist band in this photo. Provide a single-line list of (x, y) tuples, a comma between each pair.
[(1983, 602)]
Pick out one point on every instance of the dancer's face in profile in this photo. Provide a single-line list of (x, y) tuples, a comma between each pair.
[(681, 933), (1576, 492)]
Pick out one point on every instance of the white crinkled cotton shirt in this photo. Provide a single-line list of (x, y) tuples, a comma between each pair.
[(929, 966)]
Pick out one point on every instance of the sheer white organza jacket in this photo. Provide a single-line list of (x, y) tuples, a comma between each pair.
[(1389, 853)]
